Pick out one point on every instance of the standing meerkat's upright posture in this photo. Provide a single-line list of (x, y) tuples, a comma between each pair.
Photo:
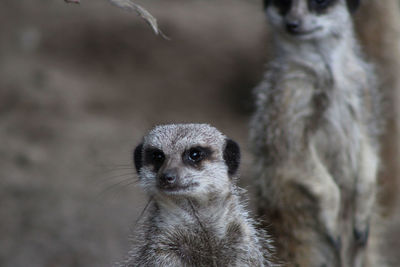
[(197, 216), (314, 135)]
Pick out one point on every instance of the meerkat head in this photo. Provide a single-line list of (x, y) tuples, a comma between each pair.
[(310, 19), (187, 160)]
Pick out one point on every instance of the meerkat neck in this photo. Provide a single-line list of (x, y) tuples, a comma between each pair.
[(338, 47), (185, 210)]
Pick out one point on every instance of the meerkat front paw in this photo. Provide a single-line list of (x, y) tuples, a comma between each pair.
[(336, 242), (329, 215), (361, 235)]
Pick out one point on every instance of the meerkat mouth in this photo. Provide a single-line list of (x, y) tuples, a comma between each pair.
[(178, 189), (305, 32)]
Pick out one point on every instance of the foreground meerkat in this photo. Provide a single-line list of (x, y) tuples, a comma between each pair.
[(314, 135), (196, 216)]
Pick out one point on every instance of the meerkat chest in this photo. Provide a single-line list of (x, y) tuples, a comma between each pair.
[(196, 245), (339, 139)]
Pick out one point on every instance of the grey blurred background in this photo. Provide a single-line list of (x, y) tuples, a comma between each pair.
[(80, 85)]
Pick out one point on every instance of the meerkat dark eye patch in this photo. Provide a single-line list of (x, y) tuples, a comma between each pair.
[(195, 155), (320, 5), (137, 157), (283, 6), (232, 156), (155, 157), (353, 5)]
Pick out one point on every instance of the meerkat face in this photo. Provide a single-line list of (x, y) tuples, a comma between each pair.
[(186, 160), (310, 19)]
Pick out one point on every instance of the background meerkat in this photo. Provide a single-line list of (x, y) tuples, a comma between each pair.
[(196, 215), (314, 135)]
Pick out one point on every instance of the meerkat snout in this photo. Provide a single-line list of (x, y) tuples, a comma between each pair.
[(293, 25), (167, 179)]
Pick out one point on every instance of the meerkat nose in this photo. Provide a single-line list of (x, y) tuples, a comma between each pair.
[(167, 179), (293, 26)]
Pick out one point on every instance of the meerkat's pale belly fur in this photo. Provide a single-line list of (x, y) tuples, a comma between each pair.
[(314, 137)]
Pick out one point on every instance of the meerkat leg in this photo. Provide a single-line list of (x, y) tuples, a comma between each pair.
[(365, 190), (323, 186), (312, 177)]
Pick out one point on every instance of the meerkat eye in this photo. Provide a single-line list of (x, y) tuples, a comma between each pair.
[(158, 156), (320, 4), (155, 157), (283, 5), (196, 154)]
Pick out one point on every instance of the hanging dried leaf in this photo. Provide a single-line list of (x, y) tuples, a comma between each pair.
[(143, 13), (131, 6)]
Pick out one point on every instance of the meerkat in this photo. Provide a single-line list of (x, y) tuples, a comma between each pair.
[(197, 216), (314, 135)]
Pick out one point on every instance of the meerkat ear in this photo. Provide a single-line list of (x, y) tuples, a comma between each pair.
[(353, 5), (232, 156), (137, 157)]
